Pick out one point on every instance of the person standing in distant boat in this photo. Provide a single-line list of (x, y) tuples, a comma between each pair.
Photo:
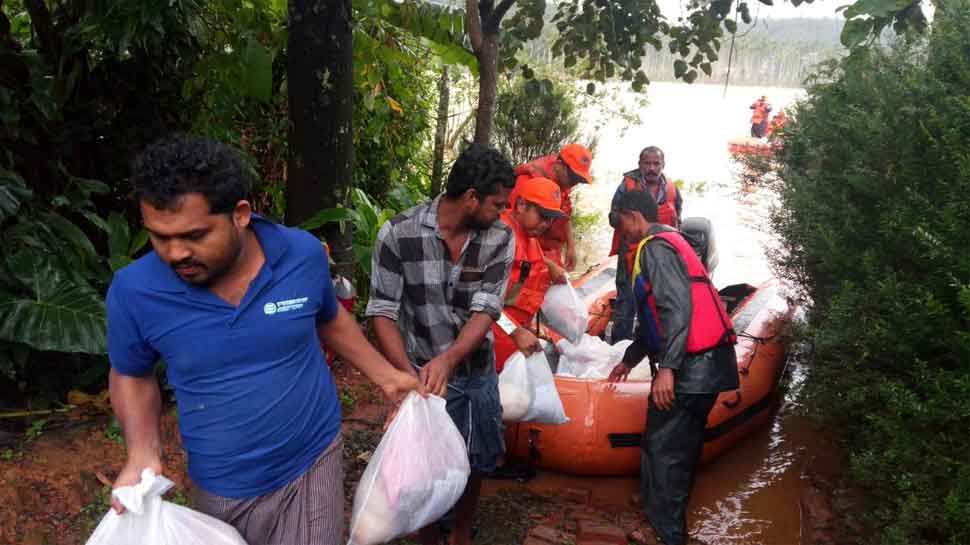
[(760, 111)]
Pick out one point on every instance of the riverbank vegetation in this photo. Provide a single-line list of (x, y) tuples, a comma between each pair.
[(874, 221)]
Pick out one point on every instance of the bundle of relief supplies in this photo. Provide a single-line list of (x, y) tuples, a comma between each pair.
[(149, 520), (528, 392), (593, 358), (564, 312), (417, 474)]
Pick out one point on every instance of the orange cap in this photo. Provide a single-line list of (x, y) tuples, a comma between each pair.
[(544, 193), (578, 159)]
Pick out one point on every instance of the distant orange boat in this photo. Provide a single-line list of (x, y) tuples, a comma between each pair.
[(608, 420), (747, 145)]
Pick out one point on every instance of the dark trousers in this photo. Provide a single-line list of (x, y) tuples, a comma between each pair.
[(624, 309), (670, 452)]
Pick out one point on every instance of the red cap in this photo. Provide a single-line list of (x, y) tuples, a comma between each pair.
[(578, 159), (544, 193)]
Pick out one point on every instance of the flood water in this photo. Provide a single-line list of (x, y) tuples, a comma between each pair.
[(750, 495)]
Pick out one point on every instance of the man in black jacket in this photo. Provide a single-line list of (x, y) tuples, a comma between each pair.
[(690, 373)]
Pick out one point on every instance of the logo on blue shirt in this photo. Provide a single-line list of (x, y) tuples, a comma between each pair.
[(284, 306)]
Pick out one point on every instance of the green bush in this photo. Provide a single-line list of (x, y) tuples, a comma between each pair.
[(534, 118), (874, 223)]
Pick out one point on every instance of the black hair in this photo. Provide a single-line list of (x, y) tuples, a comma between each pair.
[(179, 164), (480, 168), (654, 149), (638, 201)]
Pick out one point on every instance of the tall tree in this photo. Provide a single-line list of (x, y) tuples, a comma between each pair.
[(484, 20), (441, 131), (321, 94)]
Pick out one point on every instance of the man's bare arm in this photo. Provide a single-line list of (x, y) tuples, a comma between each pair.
[(344, 336), (137, 403), (390, 343)]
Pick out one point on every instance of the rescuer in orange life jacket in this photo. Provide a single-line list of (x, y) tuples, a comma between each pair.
[(777, 122), (567, 168), (537, 204), (648, 176), (759, 116), (684, 330)]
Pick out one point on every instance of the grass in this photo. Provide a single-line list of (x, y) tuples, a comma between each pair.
[(347, 400), (92, 513), (113, 432), (35, 430)]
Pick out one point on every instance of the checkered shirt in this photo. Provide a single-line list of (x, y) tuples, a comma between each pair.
[(414, 282)]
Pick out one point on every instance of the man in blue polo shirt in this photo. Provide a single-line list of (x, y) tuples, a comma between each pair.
[(236, 306)]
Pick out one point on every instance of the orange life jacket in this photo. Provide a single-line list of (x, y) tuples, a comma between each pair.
[(710, 324), (777, 122), (528, 283), (557, 234), (666, 212), (760, 112)]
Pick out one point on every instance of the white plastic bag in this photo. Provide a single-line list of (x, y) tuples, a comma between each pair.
[(149, 520), (565, 312), (593, 358), (528, 392), (417, 474)]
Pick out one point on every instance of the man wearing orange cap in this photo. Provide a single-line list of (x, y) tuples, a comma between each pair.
[(567, 168), (535, 206)]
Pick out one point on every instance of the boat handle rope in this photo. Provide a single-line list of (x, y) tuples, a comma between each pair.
[(759, 341)]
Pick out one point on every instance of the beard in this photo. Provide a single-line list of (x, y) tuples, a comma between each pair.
[(199, 273), (480, 224)]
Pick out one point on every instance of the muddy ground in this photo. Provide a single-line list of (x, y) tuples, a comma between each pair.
[(55, 481)]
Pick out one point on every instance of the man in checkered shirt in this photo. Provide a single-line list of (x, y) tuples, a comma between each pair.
[(438, 283)]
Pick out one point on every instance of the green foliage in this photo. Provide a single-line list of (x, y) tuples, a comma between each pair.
[(534, 118), (875, 224), (394, 95), (365, 217), (347, 400), (84, 86), (114, 433), (34, 430)]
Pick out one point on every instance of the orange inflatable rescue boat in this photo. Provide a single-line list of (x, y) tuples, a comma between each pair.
[(607, 420), (747, 145)]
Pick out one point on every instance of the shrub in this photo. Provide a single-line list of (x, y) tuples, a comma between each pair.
[(874, 223), (534, 118)]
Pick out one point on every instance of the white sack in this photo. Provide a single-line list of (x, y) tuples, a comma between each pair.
[(565, 312), (593, 358), (528, 392), (149, 520), (415, 476)]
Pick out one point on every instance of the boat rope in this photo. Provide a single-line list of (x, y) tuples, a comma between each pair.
[(755, 338), (759, 341)]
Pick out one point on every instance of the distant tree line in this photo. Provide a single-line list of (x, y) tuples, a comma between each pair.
[(780, 52)]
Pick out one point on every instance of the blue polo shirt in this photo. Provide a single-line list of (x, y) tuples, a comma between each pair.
[(256, 402)]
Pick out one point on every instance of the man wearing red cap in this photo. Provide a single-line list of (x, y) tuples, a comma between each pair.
[(536, 205), (567, 168)]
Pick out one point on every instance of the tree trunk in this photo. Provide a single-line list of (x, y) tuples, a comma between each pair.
[(320, 83), (487, 87), (441, 131)]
